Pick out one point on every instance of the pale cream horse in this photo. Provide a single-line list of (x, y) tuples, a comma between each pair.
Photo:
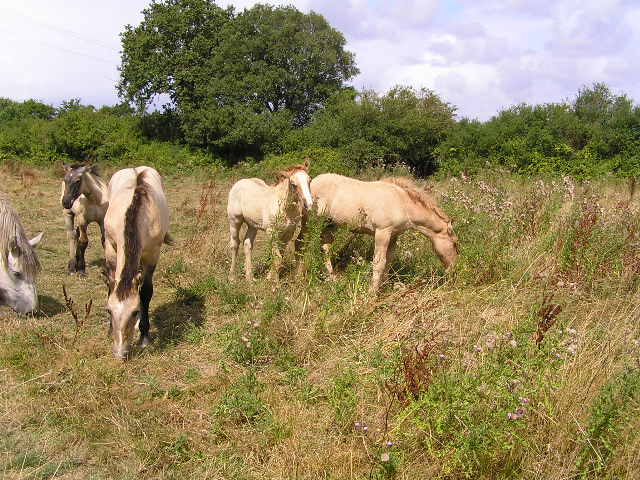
[(277, 209), (84, 200), (136, 226), (384, 209)]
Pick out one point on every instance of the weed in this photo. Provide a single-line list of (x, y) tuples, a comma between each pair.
[(241, 401), (609, 414), (343, 398)]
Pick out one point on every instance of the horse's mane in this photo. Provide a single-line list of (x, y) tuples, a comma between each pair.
[(12, 234), (92, 170), (417, 194), (281, 175), (131, 239)]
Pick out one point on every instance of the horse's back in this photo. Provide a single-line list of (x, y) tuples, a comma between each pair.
[(369, 205), (154, 213), (248, 199)]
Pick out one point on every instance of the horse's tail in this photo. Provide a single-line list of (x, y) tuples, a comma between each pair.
[(131, 238)]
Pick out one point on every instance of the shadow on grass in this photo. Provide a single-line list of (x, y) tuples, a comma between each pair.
[(176, 319), (49, 306)]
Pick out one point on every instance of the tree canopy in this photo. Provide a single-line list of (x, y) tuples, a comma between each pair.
[(235, 79)]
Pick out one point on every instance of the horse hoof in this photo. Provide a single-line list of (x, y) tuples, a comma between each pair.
[(71, 267), (145, 341)]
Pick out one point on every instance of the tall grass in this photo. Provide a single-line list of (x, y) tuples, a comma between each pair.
[(520, 363)]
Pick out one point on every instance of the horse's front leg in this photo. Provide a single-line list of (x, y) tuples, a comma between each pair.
[(279, 245), (101, 225), (390, 255), (382, 241), (83, 242), (146, 292), (327, 237), (298, 247), (72, 238)]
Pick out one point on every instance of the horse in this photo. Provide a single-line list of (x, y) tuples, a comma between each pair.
[(384, 209), (19, 263), (136, 226), (277, 209), (84, 200)]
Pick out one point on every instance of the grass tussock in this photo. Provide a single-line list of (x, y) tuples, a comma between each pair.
[(523, 362)]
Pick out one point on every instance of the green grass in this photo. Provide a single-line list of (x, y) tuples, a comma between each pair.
[(268, 380)]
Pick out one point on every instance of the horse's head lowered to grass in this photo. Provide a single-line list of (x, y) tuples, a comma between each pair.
[(19, 263)]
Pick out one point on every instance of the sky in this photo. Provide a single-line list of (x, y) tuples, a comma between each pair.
[(479, 55)]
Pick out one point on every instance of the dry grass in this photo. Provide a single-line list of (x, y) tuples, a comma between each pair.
[(272, 381)]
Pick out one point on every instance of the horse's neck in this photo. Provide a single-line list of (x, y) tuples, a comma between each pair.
[(424, 219), (95, 189), (288, 202)]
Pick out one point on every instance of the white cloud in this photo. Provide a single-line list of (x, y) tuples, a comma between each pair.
[(478, 54)]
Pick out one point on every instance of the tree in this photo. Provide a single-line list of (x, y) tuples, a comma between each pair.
[(223, 71), (403, 125)]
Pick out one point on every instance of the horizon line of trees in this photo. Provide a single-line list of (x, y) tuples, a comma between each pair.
[(272, 82), (596, 133)]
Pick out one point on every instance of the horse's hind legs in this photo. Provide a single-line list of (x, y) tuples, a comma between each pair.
[(249, 239), (234, 243), (146, 292)]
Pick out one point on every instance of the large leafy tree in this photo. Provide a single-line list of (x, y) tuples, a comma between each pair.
[(235, 79)]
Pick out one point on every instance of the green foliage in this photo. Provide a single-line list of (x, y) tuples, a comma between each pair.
[(596, 133), (369, 129), (239, 80), (474, 417), (608, 417), (241, 402), (343, 398)]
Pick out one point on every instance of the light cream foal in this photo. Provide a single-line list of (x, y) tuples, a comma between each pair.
[(384, 209), (277, 209)]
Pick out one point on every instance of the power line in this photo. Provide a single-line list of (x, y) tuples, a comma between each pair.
[(59, 29), (66, 50)]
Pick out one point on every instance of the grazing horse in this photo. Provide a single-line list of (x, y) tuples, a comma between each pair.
[(384, 209), (84, 200), (19, 263), (136, 226), (273, 208)]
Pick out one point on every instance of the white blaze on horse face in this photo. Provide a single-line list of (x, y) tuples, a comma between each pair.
[(17, 290), (303, 180)]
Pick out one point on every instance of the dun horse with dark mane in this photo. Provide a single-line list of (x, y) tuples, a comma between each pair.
[(136, 226), (84, 200), (384, 209)]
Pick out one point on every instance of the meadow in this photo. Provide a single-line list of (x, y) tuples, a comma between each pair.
[(521, 363)]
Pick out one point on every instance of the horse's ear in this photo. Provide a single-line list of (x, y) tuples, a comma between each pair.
[(280, 176), (36, 240), (66, 167), (307, 160)]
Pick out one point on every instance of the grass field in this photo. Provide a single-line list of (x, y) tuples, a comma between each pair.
[(522, 363)]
